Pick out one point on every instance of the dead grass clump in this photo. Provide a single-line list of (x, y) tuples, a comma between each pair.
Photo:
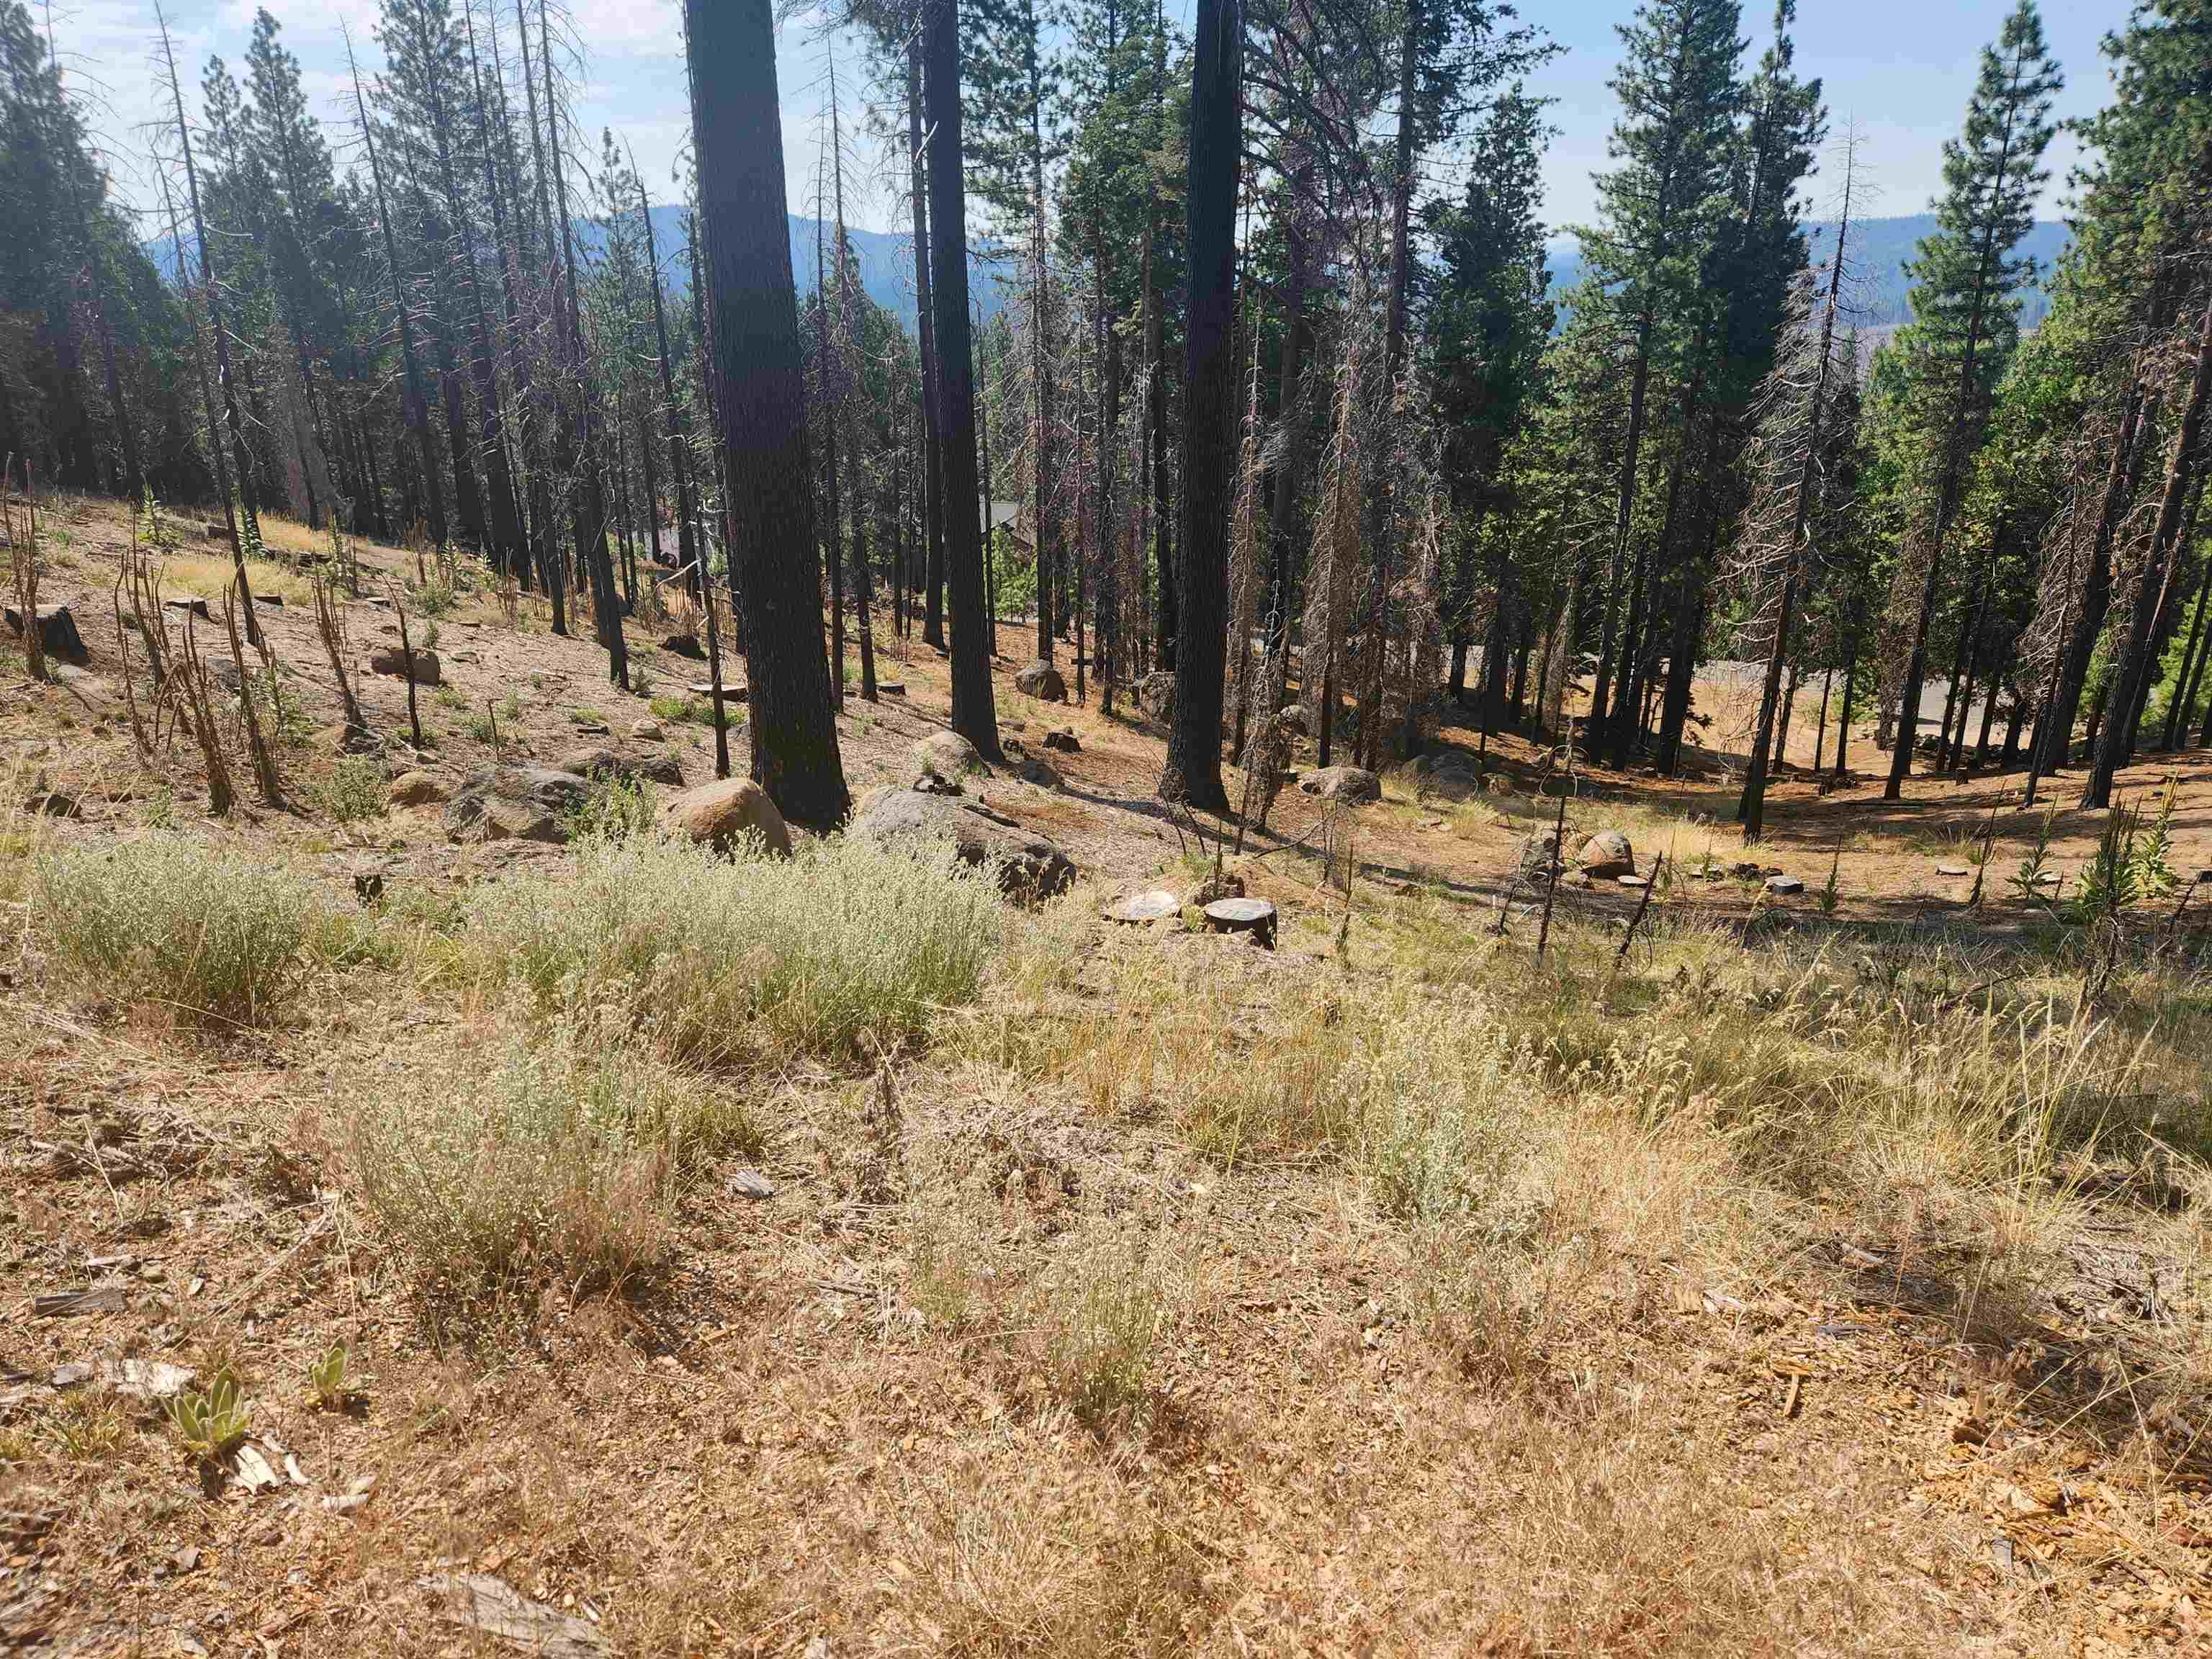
[(1099, 1312), (844, 950), (166, 921), (555, 1158)]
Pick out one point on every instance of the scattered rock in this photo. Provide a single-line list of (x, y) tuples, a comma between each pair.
[(390, 659), (1346, 783), (1035, 771), (942, 759), (705, 689), (368, 887), (647, 730), (518, 803), (1154, 904), (752, 1183), (1041, 680), (723, 814), (1633, 881), (600, 763), (1746, 870), (1028, 867), (1244, 915), (1498, 784), (685, 645), (415, 788), (1784, 885), (57, 635), (274, 600), (1607, 854), (67, 1305), (190, 607), (52, 804), (1064, 741)]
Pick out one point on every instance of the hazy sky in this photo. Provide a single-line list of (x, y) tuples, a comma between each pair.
[(1899, 68)]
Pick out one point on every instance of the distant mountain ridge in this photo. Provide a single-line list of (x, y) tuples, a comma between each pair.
[(1879, 247), (885, 259)]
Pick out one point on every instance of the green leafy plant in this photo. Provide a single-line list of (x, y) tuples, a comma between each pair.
[(2113, 880), (2154, 869), (614, 810), (208, 1423), (1829, 895), (326, 1376), (2027, 879), (354, 789)]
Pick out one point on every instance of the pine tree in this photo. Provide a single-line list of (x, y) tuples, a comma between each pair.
[(736, 128), (1966, 321)]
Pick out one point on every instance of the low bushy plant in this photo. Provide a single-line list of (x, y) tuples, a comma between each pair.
[(847, 949), (217, 937)]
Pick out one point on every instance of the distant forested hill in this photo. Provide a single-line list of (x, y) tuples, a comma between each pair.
[(1879, 247), (886, 261)]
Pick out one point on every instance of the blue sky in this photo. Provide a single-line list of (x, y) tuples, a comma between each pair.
[(1900, 70)]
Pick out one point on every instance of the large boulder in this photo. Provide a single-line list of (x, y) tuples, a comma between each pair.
[(599, 761), (685, 645), (1345, 783), (1606, 853), (943, 761), (1156, 696), (1041, 680), (1063, 741), (1027, 865), (390, 659), (415, 788), (722, 816), (57, 635), (517, 803)]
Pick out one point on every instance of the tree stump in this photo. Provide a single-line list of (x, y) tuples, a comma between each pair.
[(1156, 905), (1243, 915)]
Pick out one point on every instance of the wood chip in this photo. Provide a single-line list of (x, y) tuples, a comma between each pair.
[(64, 1304), (478, 1601)]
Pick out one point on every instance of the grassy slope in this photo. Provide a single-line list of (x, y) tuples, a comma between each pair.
[(1393, 1292)]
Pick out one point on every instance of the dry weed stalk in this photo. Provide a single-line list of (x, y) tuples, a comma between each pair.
[(196, 690), (407, 661), (332, 629), (266, 783), (23, 562)]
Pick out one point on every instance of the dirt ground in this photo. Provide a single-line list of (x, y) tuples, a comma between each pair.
[(1847, 1442)]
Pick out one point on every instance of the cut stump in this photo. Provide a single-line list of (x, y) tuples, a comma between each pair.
[(1243, 915)]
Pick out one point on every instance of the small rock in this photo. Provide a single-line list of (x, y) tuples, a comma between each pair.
[(721, 814), (1784, 885), (1633, 881), (52, 804), (415, 788), (1345, 783), (190, 607), (647, 730), (368, 886), (1064, 742), (390, 659), (1041, 680), (1035, 771), (685, 645), (752, 1183)]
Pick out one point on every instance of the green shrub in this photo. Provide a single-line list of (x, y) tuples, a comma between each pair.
[(615, 808), (356, 789), (557, 1159), (842, 951), (218, 937)]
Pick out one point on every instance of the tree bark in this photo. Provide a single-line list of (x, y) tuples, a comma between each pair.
[(737, 126), (1192, 774)]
